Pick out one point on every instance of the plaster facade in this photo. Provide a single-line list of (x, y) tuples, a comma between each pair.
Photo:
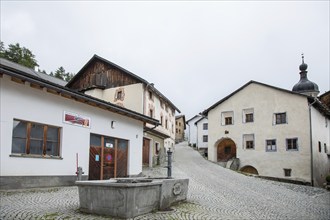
[(202, 133), (21, 101), (264, 102), (180, 127), (192, 130), (138, 98)]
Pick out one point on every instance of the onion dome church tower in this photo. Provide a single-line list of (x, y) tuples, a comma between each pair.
[(304, 86)]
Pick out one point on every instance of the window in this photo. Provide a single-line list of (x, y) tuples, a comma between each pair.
[(248, 115), (228, 121), (320, 148), (179, 130), (205, 138), (249, 145), (176, 130), (227, 118), (287, 172), (179, 123), (205, 126), (157, 148), (166, 123), (292, 144), (271, 145), (151, 112), (248, 141), (119, 95), (161, 120), (176, 123), (325, 148), (150, 95), (280, 118), (35, 139)]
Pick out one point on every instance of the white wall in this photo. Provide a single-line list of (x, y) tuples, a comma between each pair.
[(200, 133), (23, 102), (265, 101), (320, 133), (192, 129)]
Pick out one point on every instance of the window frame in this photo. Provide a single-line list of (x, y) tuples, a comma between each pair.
[(246, 112), (226, 117), (205, 138), (296, 144), (271, 150), (45, 140), (205, 126), (280, 122), (247, 140)]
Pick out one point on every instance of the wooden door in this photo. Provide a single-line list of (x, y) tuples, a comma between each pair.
[(108, 162), (94, 163), (145, 151)]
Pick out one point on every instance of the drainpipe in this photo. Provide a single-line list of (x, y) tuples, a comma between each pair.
[(311, 140)]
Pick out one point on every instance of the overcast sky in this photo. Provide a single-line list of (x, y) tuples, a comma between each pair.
[(195, 52)]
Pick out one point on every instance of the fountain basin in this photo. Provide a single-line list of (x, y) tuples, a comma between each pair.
[(130, 197)]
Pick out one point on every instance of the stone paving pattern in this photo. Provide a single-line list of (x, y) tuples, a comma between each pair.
[(214, 193)]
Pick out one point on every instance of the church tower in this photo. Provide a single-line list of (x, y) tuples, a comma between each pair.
[(304, 86)]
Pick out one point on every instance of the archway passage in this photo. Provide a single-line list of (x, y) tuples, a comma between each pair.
[(226, 150), (250, 169)]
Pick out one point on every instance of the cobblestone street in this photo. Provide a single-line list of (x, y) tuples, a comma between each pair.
[(214, 193)]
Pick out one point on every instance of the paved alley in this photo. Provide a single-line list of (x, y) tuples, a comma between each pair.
[(214, 193)]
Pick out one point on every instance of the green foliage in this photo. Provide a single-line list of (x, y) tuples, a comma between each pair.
[(18, 54), (61, 74), (25, 57), (327, 178)]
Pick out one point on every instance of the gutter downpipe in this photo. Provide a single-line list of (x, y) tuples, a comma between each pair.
[(311, 140)]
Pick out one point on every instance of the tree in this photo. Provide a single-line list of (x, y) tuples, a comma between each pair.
[(61, 74), (25, 57), (18, 54)]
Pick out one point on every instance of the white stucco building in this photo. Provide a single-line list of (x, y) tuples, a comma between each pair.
[(47, 130), (107, 81), (272, 131), (192, 130), (202, 133)]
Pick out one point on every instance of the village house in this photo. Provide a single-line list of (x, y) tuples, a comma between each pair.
[(180, 127), (192, 130), (202, 133), (48, 130), (272, 131), (107, 81)]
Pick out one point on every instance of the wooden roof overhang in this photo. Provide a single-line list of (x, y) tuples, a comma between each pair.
[(53, 88), (141, 80)]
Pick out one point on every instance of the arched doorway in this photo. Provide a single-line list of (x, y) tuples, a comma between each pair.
[(226, 150), (249, 169)]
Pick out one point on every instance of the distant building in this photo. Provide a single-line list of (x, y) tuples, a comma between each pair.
[(48, 130), (202, 133), (107, 81), (272, 131), (180, 127), (192, 130)]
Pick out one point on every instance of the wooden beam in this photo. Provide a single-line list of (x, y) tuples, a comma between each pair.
[(35, 86), (17, 80)]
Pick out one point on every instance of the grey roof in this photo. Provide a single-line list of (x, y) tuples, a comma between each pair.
[(196, 116), (25, 74), (200, 120), (96, 57), (14, 66)]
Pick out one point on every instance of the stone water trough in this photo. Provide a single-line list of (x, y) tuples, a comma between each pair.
[(130, 197)]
